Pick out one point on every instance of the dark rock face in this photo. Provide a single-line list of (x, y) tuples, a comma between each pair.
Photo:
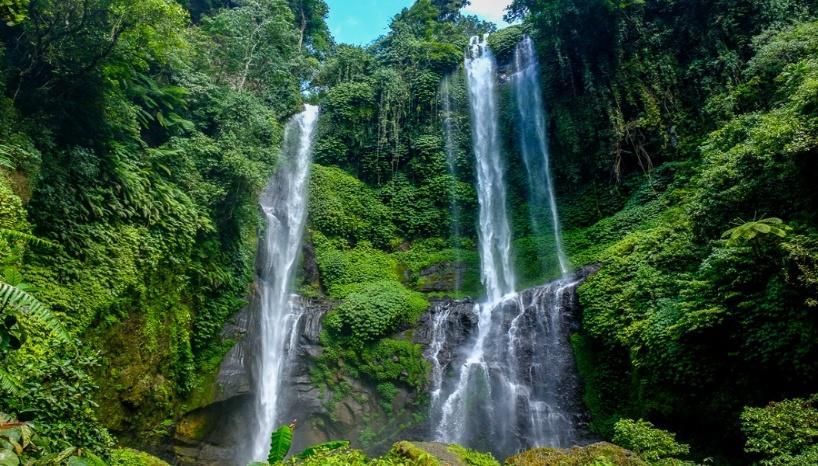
[(211, 435)]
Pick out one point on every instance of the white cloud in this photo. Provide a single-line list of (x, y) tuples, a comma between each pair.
[(492, 10)]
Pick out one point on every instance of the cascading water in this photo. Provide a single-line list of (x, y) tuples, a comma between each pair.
[(513, 385), (494, 232), (457, 410), (284, 203), (533, 135)]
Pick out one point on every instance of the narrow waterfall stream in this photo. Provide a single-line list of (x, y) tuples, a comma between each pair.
[(511, 383), (284, 203), (533, 134)]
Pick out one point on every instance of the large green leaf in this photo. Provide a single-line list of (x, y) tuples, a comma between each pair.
[(281, 441), (8, 458)]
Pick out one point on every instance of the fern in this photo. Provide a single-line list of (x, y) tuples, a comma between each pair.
[(19, 235), (7, 383), (5, 157), (752, 230), (29, 306), (323, 447)]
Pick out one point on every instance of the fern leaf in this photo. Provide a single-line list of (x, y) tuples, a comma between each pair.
[(5, 157), (7, 383), (323, 447), (29, 306), (19, 235)]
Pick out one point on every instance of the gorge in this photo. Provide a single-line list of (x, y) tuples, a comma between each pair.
[(585, 234)]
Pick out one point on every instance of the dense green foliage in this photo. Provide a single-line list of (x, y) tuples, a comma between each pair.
[(782, 433), (133, 145), (135, 137), (654, 445), (375, 310)]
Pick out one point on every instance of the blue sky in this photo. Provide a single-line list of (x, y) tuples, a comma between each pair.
[(362, 21)]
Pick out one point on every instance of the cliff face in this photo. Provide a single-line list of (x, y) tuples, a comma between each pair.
[(209, 434)]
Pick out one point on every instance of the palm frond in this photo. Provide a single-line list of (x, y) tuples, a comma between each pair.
[(29, 306)]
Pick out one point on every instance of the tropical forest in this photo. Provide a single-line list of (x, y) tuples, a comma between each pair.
[(574, 233)]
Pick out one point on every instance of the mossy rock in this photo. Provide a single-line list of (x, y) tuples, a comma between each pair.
[(130, 457), (597, 454), (439, 454)]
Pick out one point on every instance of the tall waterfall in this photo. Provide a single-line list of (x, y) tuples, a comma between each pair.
[(533, 135), (460, 417), (284, 203), (494, 232), (509, 384)]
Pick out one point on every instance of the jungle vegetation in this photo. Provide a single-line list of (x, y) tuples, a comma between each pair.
[(135, 137)]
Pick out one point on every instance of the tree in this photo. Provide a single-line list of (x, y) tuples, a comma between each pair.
[(450, 9), (255, 49), (310, 16)]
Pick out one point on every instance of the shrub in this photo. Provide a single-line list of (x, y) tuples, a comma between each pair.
[(396, 361), (342, 206), (375, 310), (782, 431), (130, 457), (597, 454), (472, 457), (650, 443), (343, 269)]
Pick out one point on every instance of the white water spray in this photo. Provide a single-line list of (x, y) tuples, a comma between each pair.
[(494, 233)]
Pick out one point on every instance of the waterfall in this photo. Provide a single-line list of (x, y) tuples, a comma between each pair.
[(284, 203), (455, 410), (494, 232), (512, 385), (533, 135)]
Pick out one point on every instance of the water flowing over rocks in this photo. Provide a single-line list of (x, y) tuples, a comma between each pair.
[(209, 435), (529, 362)]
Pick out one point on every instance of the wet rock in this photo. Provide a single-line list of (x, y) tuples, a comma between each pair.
[(211, 434), (527, 360), (444, 276), (234, 376)]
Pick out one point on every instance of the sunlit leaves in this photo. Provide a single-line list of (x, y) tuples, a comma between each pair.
[(13, 12), (749, 231)]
